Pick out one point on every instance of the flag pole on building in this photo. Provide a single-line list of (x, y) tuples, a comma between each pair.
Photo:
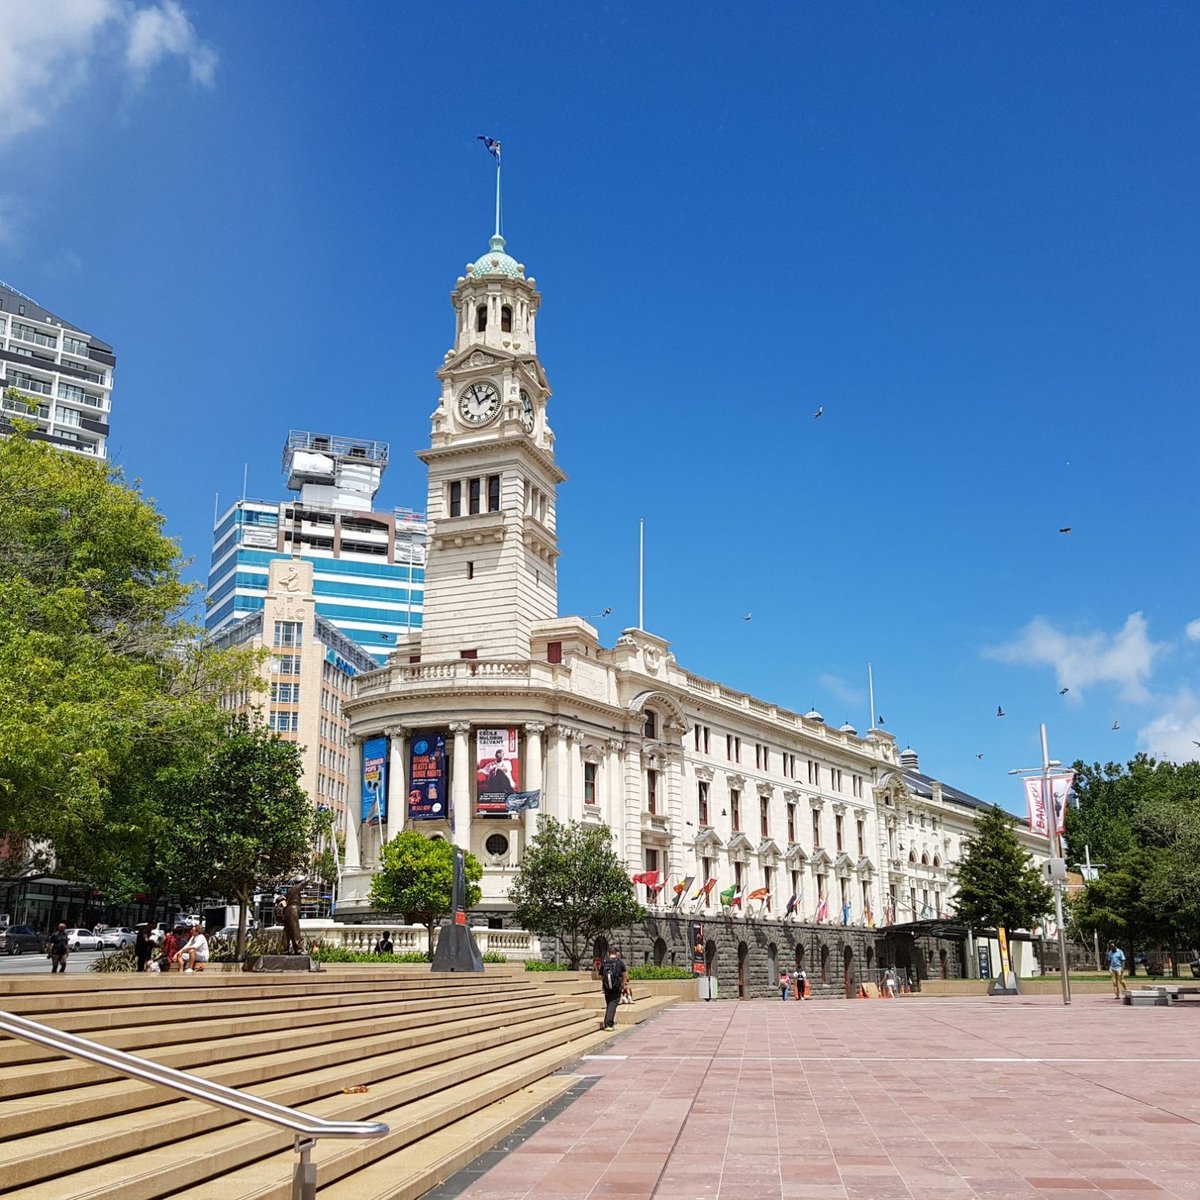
[(641, 573)]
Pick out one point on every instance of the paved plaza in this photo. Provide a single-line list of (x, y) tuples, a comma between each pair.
[(935, 1099)]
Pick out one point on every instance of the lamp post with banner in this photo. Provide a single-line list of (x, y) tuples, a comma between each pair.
[(1046, 794)]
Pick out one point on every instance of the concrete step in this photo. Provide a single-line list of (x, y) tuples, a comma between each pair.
[(397, 1076)]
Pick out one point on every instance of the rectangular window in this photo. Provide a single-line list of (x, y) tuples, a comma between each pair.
[(286, 693), (857, 786), (289, 633), (735, 809), (862, 839), (66, 416), (493, 493), (838, 823), (835, 778), (554, 652), (737, 749), (73, 345), (816, 829), (791, 820), (814, 773), (468, 654), (650, 729), (769, 884), (696, 732), (589, 783), (455, 499), (764, 816), (474, 495), (702, 801), (651, 790), (729, 746)]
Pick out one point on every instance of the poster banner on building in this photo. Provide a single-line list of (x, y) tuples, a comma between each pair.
[(699, 956), (497, 770), (374, 780), (427, 778)]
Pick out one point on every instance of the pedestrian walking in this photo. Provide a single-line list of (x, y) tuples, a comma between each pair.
[(612, 980), (1116, 968), (801, 982), (57, 949), (785, 985), (889, 983)]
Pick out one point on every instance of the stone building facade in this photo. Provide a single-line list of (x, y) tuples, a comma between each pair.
[(820, 837)]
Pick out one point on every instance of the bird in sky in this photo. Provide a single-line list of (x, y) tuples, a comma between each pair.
[(1063, 691), (1195, 743), (979, 756), (607, 612), (819, 411), (1116, 725), (880, 720), (999, 711), (1065, 529), (747, 616)]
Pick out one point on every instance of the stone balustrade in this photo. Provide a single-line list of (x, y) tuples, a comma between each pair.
[(515, 944)]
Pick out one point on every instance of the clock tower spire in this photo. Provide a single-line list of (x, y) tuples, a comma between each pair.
[(491, 575)]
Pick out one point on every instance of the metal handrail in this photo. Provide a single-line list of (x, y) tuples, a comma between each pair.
[(306, 1128)]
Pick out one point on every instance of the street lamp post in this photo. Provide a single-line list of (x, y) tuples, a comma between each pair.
[(1056, 860)]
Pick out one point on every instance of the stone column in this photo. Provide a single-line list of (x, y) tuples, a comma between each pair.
[(460, 783), (397, 786), (576, 772), (533, 775), (559, 772), (353, 810)]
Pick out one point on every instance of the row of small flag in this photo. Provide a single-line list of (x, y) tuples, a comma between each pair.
[(733, 896)]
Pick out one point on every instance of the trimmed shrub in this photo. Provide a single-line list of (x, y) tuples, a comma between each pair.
[(650, 971)]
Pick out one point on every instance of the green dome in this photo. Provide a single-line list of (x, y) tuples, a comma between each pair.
[(495, 261)]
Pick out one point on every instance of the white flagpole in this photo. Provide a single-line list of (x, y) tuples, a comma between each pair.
[(871, 688), (641, 573), (497, 194)]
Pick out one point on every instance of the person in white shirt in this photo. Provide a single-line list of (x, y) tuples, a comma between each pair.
[(194, 953)]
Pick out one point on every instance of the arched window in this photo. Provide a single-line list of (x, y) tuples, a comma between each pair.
[(506, 319), (481, 318), (924, 860), (912, 856), (937, 860)]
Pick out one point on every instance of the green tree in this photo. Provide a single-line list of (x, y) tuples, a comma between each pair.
[(240, 819), (573, 887), (416, 878), (102, 683), (997, 886)]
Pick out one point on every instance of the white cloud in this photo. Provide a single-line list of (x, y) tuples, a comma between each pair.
[(1125, 658), (164, 29), (50, 50), (835, 685), (1193, 631), (1175, 733)]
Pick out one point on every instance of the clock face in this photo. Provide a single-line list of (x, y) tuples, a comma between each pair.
[(479, 403), (527, 413)]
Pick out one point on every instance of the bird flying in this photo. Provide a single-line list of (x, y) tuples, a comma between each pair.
[(1065, 529), (747, 616), (979, 756), (1116, 725), (819, 411), (999, 711), (1063, 691), (880, 720)]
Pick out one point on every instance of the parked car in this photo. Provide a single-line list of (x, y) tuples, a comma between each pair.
[(83, 939), (118, 937), (16, 939)]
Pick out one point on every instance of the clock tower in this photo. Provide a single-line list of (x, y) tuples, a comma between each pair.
[(491, 574)]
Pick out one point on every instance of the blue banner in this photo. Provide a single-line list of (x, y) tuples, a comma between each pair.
[(374, 780), (427, 778)]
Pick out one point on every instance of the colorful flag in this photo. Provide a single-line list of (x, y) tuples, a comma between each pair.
[(491, 145), (682, 888), (649, 878), (846, 913), (706, 888), (822, 910), (870, 915), (791, 905), (520, 801), (727, 896), (759, 894)]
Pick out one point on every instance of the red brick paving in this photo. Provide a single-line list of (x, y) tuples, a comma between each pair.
[(933, 1099)]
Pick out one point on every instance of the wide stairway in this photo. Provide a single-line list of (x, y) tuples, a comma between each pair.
[(451, 1063)]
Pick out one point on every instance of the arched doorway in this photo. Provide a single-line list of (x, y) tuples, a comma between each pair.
[(660, 952), (799, 958), (847, 962), (743, 953), (824, 963), (773, 964)]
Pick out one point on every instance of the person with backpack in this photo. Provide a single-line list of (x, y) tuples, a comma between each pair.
[(612, 978)]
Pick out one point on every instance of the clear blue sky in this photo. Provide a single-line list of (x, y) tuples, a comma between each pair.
[(970, 233)]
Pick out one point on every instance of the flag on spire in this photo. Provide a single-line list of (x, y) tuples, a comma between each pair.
[(490, 145)]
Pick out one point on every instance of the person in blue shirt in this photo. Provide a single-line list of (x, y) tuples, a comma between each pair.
[(1116, 968)]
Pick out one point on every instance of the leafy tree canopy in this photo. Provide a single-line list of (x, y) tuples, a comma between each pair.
[(997, 886), (102, 684), (416, 878), (240, 819), (1142, 822), (572, 886)]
